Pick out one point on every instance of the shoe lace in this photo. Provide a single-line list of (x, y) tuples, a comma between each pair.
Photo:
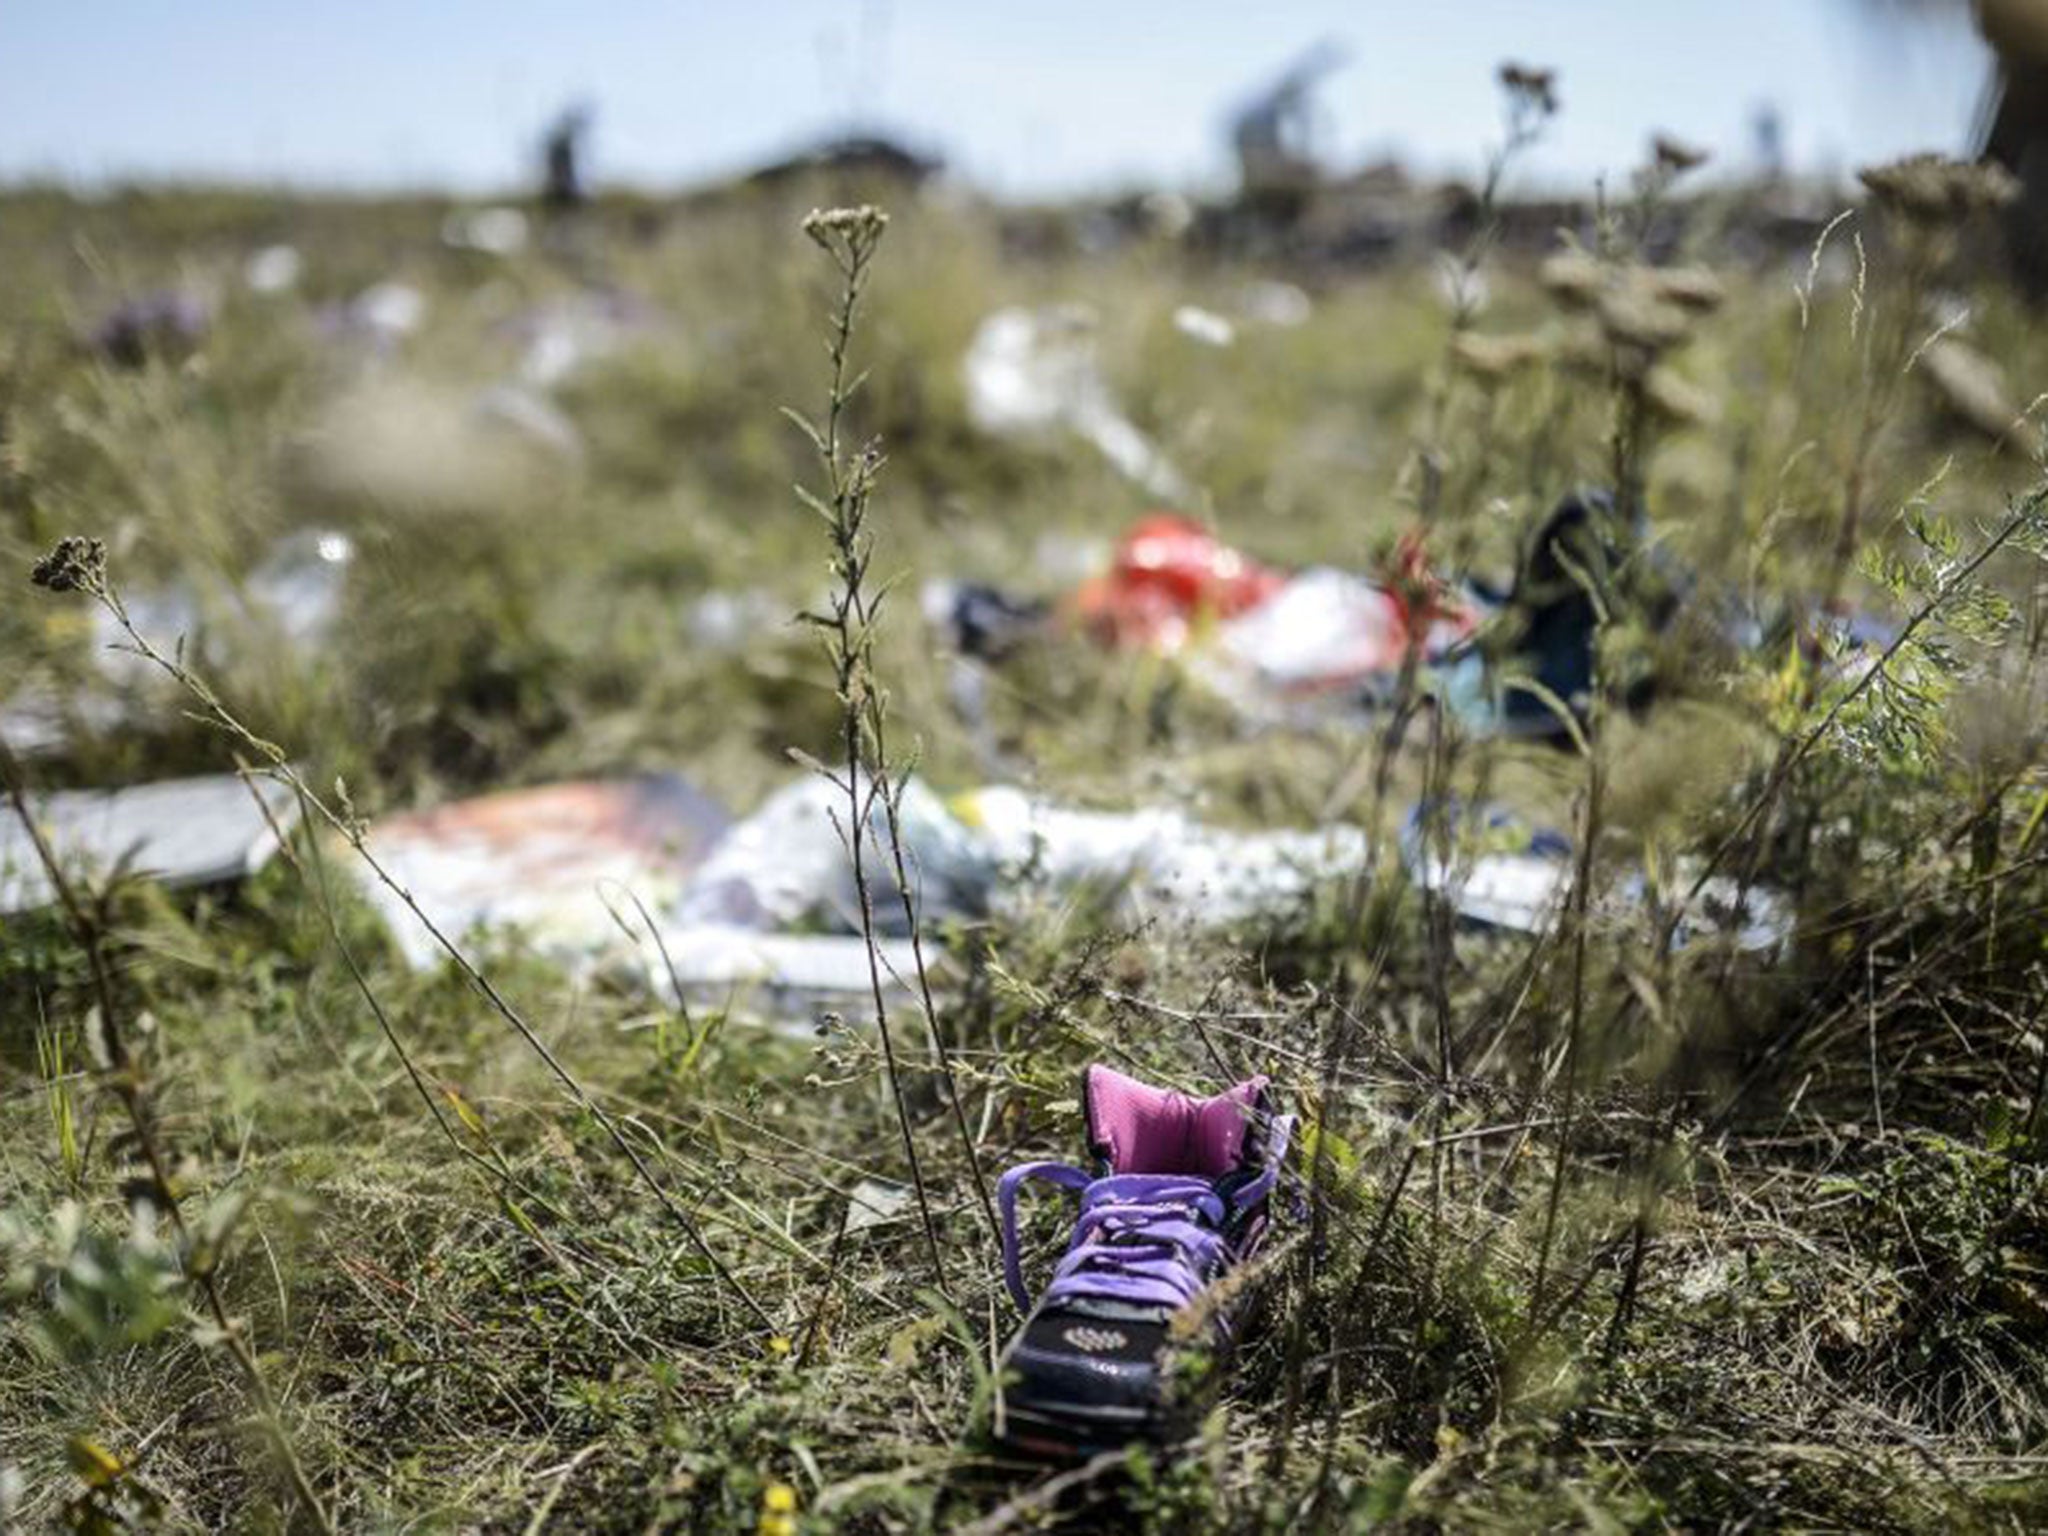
[(1144, 1238)]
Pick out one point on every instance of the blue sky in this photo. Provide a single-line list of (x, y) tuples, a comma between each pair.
[(1025, 96)]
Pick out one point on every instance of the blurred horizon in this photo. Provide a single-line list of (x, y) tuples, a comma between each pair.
[(389, 98)]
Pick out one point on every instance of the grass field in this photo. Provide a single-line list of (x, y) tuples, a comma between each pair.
[(1597, 1234)]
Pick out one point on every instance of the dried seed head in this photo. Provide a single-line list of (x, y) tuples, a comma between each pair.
[(1633, 313), (1572, 278), (1583, 354), (1535, 89), (1491, 358), (1935, 190), (859, 229), (1677, 402), (75, 565), (1675, 157), (1694, 289)]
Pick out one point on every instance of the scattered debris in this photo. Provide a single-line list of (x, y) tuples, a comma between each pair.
[(1204, 325), (293, 594), (1032, 373), (877, 1203), (381, 316), (560, 338), (274, 269), (784, 974), (1157, 860), (534, 418), (1167, 577), (167, 325), (1513, 675), (554, 864), (298, 586), (493, 231), (1519, 877), (1000, 849), (981, 621), (36, 719), (1327, 639), (1278, 645), (727, 622), (622, 875), (177, 832), (786, 866), (1277, 304), (409, 444)]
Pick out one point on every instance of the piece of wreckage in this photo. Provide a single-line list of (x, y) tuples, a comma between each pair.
[(1313, 646), (643, 881), (1499, 871), (211, 830), (168, 326), (1033, 376), (1319, 646)]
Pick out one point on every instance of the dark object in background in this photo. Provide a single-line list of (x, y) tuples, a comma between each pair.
[(2014, 131), (1559, 619), (166, 324), (1549, 622), (982, 621), (1273, 136), (863, 158), (562, 190)]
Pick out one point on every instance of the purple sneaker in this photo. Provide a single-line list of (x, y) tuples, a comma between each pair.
[(1178, 1199)]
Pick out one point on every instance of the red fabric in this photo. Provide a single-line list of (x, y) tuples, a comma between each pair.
[(1137, 1128), (1168, 572)]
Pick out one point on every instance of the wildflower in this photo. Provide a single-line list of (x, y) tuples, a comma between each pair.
[(779, 1346), (75, 565), (778, 1511), (1935, 190)]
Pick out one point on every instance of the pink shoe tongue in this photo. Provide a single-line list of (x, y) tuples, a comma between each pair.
[(1137, 1128)]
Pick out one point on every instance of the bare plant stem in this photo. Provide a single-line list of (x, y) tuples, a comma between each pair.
[(124, 1075), (941, 1054), (1582, 883), (850, 238)]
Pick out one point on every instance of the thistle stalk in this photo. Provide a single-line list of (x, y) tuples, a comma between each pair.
[(850, 237)]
